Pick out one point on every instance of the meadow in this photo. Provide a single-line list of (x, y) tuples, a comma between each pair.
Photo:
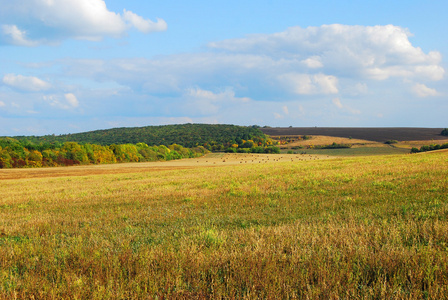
[(233, 227)]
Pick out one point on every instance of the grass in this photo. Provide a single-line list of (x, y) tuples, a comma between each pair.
[(370, 227), (359, 151)]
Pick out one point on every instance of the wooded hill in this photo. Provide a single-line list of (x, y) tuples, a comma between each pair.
[(212, 137)]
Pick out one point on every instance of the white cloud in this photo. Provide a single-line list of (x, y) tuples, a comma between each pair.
[(313, 62), (71, 100), (199, 101), (337, 102), (254, 80), (145, 26), (304, 84), (327, 60), (13, 35), (26, 83), (68, 101), (431, 72), (374, 52), (423, 91), (2, 104), (50, 21)]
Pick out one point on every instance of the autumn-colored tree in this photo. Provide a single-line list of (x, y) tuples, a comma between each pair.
[(34, 159), (103, 155), (5, 159), (74, 151)]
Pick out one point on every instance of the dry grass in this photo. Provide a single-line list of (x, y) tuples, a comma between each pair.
[(210, 160), (327, 140), (356, 143), (358, 228), (418, 144)]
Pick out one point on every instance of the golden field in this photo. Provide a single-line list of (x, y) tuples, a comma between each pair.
[(228, 226)]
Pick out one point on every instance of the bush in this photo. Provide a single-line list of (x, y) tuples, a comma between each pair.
[(272, 149), (414, 150), (444, 132), (243, 150), (429, 148), (231, 150), (258, 149), (332, 146), (390, 142)]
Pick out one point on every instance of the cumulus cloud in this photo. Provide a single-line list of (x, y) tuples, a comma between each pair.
[(423, 91), (336, 67), (34, 22), (71, 100), (66, 101), (304, 84), (26, 83), (373, 52), (356, 61), (203, 102), (317, 61)]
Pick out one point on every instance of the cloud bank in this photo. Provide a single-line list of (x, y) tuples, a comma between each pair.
[(36, 22), (333, 75), (296, 64)]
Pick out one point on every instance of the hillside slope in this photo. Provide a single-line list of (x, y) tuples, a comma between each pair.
[(186, 135)]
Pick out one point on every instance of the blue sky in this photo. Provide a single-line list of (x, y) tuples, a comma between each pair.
[(70, 66)]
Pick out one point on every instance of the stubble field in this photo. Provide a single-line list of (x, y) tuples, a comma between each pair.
[(228, 226)]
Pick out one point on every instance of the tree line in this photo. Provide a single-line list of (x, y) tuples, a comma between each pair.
[(25, 153), (429, 148), (213, 137)]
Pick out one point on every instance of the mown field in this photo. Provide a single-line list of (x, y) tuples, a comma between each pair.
[(342, 228)]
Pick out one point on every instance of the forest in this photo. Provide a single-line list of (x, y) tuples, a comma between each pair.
[(213, 137), (137, 144), (26, 154)]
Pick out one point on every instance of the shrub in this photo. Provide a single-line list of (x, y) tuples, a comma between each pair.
[(332, 146), (390, 142), (444, 132), (231, 150), (414, 150), (272, 149)]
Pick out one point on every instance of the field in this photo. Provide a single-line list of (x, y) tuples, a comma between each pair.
[(380, 135), (363, 141), (228, 226)]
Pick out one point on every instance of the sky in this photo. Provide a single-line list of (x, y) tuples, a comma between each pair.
[(70, 66)]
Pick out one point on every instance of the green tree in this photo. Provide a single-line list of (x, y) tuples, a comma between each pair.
[(444, 132)]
